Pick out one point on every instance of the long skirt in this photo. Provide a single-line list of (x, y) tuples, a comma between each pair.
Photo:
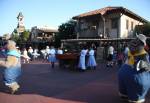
[(52, 58), (81, 64), (91, 61)]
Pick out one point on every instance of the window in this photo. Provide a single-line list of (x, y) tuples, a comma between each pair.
[(127, 24), (84, 26), (114, 23), (131, 25)]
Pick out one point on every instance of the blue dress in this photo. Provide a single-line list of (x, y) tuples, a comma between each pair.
[(52, 57), (11, 74), (81, 64), (91, 60)]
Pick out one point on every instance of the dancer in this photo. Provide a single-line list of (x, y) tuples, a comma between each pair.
[(82, 65), (52, 57), (91, 60)]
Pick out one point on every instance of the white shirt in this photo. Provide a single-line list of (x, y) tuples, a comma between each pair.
[(60, 52), (47, 50), (30, 50), (111, 50)]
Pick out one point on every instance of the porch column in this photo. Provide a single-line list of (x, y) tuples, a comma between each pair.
[(77, 29), (104, 27)]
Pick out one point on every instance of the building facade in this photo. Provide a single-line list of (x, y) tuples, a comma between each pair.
[(42, 34), (108, 22)]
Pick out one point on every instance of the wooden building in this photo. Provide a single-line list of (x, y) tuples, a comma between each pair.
[(108, 22), (105, 26), (42, 35)]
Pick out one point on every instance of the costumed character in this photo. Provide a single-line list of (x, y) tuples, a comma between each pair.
[(134, 75), (12, 66)]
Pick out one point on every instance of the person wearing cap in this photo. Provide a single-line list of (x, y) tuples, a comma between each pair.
[(12, 66), (134, 75)]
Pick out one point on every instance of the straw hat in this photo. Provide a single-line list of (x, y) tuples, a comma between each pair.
[(142, 38)]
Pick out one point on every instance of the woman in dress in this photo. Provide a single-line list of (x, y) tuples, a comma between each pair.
[(82, 63), (91, 60), (52, 57)]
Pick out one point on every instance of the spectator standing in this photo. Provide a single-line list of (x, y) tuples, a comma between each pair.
[(30, 52), (25, 56), (110, 56)]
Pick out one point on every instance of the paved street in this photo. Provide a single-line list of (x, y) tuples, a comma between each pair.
[(42, 84)]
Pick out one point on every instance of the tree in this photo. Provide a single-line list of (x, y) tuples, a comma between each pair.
[(66, 31), (15, 36), (25, 36), (20, 38)]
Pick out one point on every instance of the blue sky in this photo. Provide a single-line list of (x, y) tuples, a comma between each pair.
[(55, 12)]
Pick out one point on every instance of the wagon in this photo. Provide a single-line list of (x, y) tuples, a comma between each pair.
[(68, 60)]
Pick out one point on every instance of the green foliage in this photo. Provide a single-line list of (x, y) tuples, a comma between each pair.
[(25, 36), (20, 38), (66, 31), (15, 37), (143, 29)]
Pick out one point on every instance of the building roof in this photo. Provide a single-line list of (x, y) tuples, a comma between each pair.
[(107, 10), (46, 29)]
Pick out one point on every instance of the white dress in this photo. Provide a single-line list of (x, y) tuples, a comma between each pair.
[(81, 64)]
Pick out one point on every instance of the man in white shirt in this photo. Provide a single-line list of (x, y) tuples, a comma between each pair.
[(110, 56)]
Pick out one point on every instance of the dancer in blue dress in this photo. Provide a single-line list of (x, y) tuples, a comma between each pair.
[(82, 64), (91, 60), (52, 57)]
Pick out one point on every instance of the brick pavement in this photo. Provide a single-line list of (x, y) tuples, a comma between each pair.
[(42, 84)]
